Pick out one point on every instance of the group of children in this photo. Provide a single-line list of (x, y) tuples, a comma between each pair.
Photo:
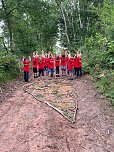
[(53, 65)]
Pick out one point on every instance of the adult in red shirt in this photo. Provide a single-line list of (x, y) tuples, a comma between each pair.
[(26, 63)]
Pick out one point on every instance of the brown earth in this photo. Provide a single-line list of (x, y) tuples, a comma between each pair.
[(27, 125)]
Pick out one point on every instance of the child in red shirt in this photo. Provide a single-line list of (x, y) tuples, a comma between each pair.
[(26, 63), (51, 66), (35, 65), (79, 65), (70, 66), (57, 64), (67, 58), (46, 64), (63, 64), (41, 65), (76, 70)]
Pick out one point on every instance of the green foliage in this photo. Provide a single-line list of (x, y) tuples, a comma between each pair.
[(99, 51), (29, 25), (99, 62), (10, 66), (106, 85)]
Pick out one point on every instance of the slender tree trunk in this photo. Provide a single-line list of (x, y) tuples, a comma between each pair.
[(72, 19), (9, 24), (3, 41), (78, 5), (10, 35), (66, 29)]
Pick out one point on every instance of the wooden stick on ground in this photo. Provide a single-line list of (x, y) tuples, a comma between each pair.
[(59, 111), (76, 110)]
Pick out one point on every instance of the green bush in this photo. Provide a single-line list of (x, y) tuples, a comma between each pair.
[(98, 60), (105, 85), (10, 66)]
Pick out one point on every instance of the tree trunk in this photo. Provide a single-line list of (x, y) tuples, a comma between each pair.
[(78, 5), (66, 29), (9, 24), (3, 41)]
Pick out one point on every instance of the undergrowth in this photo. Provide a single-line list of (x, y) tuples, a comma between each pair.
[(10, 66), (100, 64)]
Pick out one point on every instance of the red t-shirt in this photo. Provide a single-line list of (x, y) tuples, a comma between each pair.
[(46, 61), (79, 62), (41, 64), (76, 62), (70, 64), (57, 62), (26, 65), (35, 62), (67, 58), (63, 61), (51, 63)]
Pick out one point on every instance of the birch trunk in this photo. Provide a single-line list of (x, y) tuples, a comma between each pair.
[(66, 29), (78, 6), (72, 19)]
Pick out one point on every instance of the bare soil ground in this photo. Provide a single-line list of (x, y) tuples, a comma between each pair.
[(27, 125)]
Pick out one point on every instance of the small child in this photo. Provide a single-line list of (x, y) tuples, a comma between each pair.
[(67, 58), (70, 67), (79, 55), (46, 64), (63, 64), (41, 66), (76, 70), (51, 66), (57, 64), (26, 63), (35, 65)]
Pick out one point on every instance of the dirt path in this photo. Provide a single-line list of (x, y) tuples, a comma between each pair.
[(27, 125)]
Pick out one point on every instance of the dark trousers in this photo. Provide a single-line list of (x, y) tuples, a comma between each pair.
[(41, 72), (26, 76), (76, 72), (67, 70), (80, 72), (57, 71)]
